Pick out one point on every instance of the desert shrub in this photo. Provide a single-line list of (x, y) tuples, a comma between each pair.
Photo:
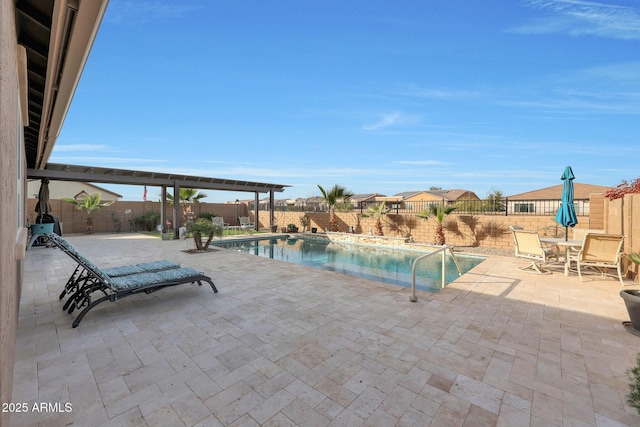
[(147, 221)]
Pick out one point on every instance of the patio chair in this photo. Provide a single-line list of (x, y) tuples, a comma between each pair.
[(246, 224), (92, 279), (578, 234), (601, 252), (218, 220), (528, 246)]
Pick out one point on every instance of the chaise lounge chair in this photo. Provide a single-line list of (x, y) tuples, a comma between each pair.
[(80, 274), (88, 279)]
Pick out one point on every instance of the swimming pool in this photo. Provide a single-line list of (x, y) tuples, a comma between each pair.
[(371, 262)]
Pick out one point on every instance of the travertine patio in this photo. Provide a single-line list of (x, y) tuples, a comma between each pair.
[(283, 344)]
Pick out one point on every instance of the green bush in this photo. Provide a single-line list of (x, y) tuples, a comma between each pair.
[(147, 221), (633, 398)]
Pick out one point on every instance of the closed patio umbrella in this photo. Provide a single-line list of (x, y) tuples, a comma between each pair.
[(566, 215), (43, 206)]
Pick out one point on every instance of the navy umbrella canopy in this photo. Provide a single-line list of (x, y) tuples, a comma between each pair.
[(566, 215)]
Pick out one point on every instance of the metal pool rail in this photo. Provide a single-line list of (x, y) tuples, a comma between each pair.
[(413, 297)]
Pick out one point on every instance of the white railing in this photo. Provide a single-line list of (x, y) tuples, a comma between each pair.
[(443, 249)]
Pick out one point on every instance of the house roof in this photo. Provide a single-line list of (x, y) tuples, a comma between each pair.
[(314, 199), (57, 189), (407, 194), (580, 191), (367, 196), (449, 195)]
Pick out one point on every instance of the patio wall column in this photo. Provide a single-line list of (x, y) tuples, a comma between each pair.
[(163, 203), (256, 207), (176, 210), (271, 208)]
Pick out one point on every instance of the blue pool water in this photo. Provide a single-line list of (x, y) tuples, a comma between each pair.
[(376, 263)]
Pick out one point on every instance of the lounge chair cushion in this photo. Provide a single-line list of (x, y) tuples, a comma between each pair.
[(140, 268), (142, 280), (124, 270)]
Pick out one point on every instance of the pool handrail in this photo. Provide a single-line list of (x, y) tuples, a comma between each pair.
[(414, 297)]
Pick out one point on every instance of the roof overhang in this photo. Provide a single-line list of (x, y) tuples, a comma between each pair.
[(60, 172), (57, 36)]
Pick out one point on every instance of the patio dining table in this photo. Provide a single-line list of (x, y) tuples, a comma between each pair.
[(567, 245)]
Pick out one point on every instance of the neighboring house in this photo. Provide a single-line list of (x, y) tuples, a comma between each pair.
[(282, 202), (418, 200), (60, 189), (546, 201), (315, 203), (370, 198)]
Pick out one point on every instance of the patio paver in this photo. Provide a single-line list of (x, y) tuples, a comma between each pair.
[(283, 344)]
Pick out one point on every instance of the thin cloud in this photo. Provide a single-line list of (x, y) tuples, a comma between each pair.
[(430, 93), (136, 12), (81, 147), (620, 73), (421, 162), (385, 121), (603, 90), (96, 161), (580, 18), (394, 119)]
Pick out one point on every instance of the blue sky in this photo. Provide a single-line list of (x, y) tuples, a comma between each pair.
[(376, 96)]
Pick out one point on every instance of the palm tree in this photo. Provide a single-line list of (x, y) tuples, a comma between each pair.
[(438, 212), (337, 195), (186, 196), (90, 203), (377, 212)]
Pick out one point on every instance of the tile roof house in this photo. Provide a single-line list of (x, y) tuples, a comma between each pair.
[(60, 189), (450, 196), (546, 201), (580, 191)]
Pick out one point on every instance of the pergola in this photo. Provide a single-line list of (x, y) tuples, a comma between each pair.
[(61, 172)]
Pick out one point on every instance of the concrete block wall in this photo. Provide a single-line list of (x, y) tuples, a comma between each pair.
[(596, 211), (72, 219), (462, 230), (623, 217)]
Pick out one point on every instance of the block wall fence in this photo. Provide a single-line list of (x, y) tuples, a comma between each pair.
[(620, 216)]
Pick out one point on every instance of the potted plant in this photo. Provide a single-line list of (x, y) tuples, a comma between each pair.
[(202, 227), (633, 398), (292, 228)]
